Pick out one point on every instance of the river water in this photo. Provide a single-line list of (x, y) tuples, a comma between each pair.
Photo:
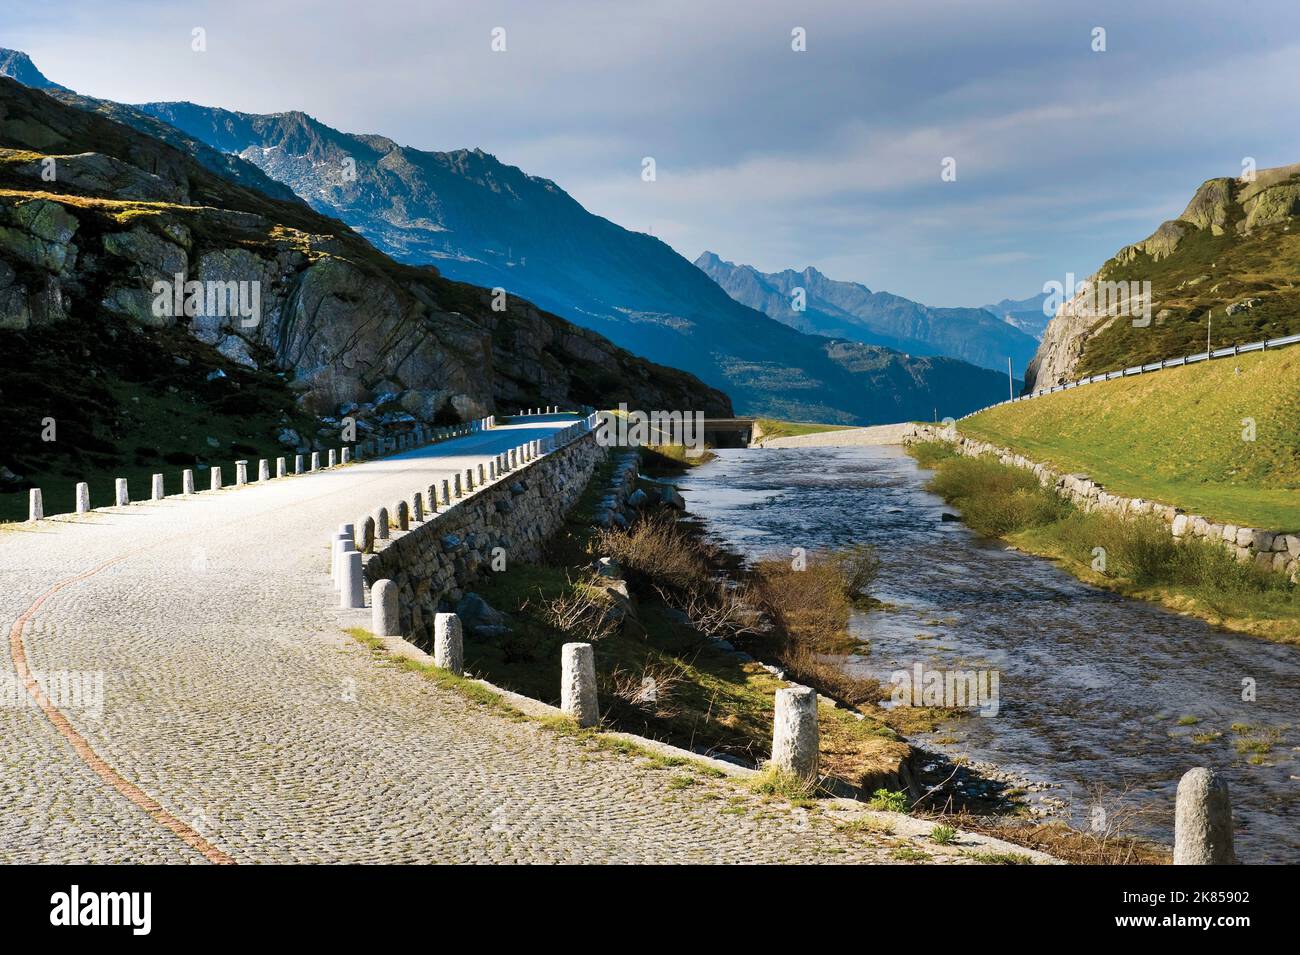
[(1091, 686)]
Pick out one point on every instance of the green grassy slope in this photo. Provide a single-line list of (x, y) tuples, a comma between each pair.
[(1175, 436)]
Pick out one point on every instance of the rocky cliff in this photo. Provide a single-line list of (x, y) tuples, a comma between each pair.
[(1228, 269)]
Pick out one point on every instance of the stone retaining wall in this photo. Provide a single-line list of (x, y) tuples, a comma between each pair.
[(1269, 550), (434, 562)]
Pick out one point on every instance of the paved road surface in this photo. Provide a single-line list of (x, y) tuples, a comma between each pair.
[(240, 724)]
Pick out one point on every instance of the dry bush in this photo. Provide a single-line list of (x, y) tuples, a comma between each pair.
[(811, 605), (661, 551), (723, 611), (649, 691), (1112, 842), (579, 612), (803, 665), (858, 566)]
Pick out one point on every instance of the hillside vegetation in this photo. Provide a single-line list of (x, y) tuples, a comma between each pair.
[(1175, 436), (1142, 559), (1228, 268)]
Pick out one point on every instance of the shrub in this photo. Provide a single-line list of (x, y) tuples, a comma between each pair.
[(889, 800)]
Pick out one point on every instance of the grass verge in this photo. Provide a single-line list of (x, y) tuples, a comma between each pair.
[(1134, 556), (1220, 439)]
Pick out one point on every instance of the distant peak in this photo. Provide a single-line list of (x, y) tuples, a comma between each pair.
[(17, 65), (709, 259)]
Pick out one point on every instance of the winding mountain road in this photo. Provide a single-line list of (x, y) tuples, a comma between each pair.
[(240, 724)]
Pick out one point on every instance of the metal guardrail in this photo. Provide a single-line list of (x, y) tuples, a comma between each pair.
[(1164, 363)]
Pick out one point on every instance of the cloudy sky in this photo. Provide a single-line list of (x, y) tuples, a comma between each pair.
[(830, 157)]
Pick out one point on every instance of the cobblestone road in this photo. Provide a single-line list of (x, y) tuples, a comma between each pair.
[(239, 724)]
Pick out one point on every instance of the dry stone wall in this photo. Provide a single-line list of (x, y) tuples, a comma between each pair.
[(1268, 550), (435, 562)]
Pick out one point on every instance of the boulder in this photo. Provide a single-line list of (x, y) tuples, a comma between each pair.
[(479, 617)]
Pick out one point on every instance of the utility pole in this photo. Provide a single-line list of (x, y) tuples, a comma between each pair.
[(1011, 382)]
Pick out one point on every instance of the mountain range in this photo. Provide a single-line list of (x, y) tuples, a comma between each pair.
[(1026, 314), (94, 215), (487, 223), (853, 311)]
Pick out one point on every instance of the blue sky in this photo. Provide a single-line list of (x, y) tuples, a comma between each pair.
[(829, 157)]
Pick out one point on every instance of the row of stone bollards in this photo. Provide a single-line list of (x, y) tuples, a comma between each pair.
[(378, 526), (157, 488), (421, 435), (302, 464), (549, 409), (1203, 809)]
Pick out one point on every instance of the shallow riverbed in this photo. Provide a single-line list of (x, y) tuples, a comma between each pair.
[(1092, 687)]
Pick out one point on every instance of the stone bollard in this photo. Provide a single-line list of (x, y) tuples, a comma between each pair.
[(297, 464), (215, 474), (352, 594), (492, 470), (403, 516), (383, 609), (455, 481), (482, 476), (315, 460), (264, 470), (83, 497), (346, 455), (346, 532), (35, 506), (120, 495), (279, 467), (336, 554), (187, 481), (446, 493), (330, 458), (366, 539), (578, 683), (241, 473), (417, 508), (448, 643), (794, 732), (469, 480), (381, 524), (1203, 820), (156, 492)]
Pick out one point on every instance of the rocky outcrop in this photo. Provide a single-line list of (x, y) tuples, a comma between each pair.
[(1230, 243)]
